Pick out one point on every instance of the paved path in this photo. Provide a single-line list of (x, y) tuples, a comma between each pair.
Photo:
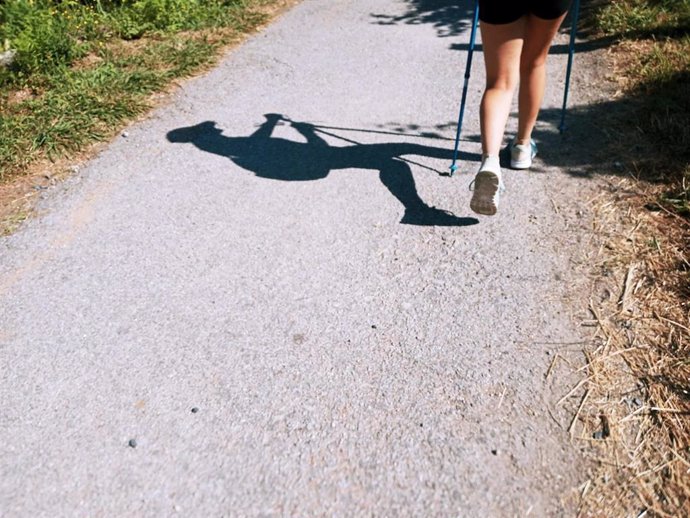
[(253, 285)]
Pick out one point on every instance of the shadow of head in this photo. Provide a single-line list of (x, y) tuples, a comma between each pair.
[(193, 133)]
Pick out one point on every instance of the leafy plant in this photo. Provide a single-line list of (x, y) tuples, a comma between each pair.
[(41, 38)]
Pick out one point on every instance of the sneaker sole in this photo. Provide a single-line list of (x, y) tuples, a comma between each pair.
[(486, 185)]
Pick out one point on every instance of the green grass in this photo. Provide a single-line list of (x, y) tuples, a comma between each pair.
[(84, 68), (658, 70), (645, 18)]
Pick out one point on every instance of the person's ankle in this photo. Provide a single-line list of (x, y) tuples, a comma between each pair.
[(523, 141), (490, 163)]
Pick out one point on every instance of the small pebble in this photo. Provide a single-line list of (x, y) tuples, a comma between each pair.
[(125, 134), (373, 326), (494, 452), (195, 410), (132, 443)]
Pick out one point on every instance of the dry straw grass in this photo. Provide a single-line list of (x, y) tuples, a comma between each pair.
[(637, 410)]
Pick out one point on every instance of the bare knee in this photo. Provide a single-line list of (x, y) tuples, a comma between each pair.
[(504, 82), (530, 67)]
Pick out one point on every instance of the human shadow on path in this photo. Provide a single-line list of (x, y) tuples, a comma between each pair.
[(281, 159)]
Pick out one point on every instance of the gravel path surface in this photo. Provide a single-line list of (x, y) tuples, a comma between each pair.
[(247, 306)]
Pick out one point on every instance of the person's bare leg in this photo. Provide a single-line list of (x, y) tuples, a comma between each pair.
[(539, 34), (502, 45)]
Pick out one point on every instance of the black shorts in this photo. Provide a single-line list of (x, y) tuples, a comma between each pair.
[(500, 12)]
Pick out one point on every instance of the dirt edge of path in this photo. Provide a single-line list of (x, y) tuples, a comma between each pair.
[(632, 419)]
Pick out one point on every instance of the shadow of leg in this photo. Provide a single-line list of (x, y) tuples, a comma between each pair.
[(398, 179)]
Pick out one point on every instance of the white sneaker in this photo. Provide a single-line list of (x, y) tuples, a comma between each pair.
[(521, 155), (486, 187)]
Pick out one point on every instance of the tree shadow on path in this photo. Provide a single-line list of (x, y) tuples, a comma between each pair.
[(452, 18), (449, 17), (281, 159)]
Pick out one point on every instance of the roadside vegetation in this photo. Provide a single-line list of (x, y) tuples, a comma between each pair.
[(637, 413), (73, 72), (654, 63)]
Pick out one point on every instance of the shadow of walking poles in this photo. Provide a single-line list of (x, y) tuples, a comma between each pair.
[(277, 158)]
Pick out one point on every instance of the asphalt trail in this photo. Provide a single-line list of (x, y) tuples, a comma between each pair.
[(279, 250)]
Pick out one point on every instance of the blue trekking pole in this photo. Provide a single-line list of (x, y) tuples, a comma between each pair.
[(473, 34), (571, 52)]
